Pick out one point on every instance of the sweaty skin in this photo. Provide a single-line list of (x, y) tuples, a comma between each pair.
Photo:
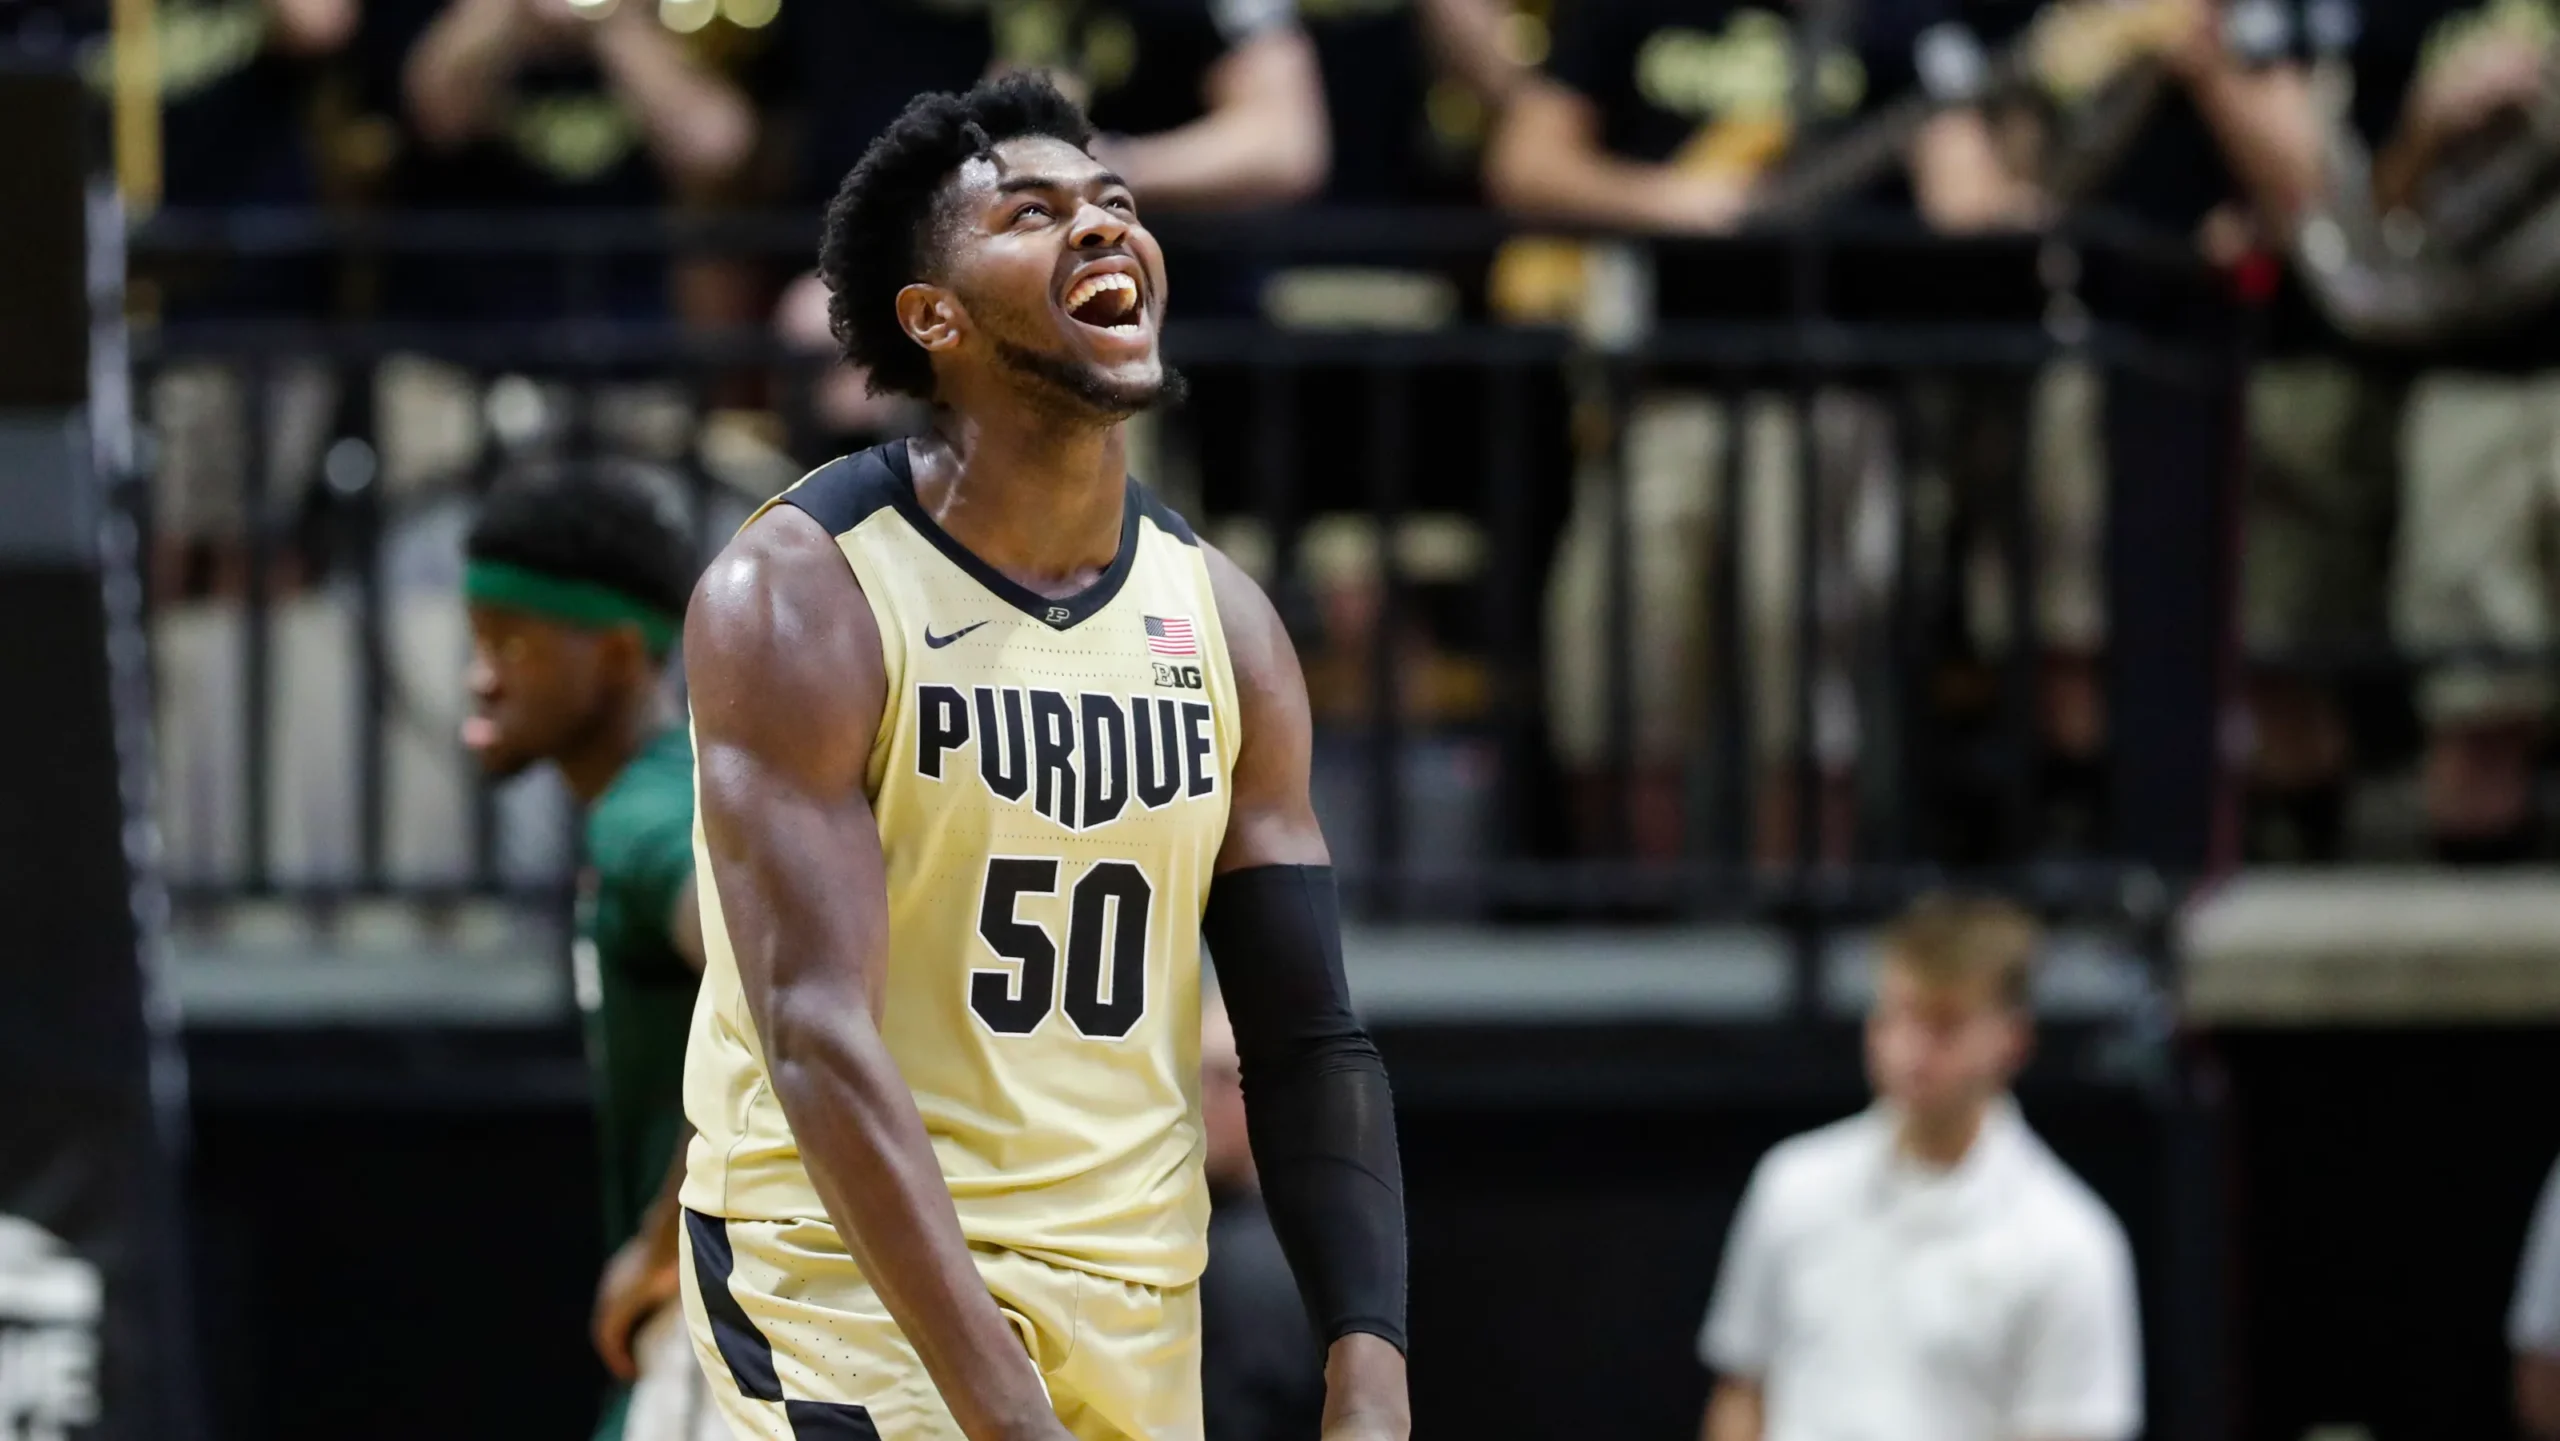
[(1025, 466)]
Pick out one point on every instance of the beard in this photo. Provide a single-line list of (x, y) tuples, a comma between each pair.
[(1088, 390)]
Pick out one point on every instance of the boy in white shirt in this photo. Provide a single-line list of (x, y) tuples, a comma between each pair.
[(1927, 1270)]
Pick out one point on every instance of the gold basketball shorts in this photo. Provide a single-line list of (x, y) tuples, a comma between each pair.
[(798, 1347)]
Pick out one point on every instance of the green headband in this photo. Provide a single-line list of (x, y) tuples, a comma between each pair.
[(572, 602)]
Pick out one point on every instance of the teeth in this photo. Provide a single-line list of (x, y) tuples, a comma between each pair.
[(1093, 285)]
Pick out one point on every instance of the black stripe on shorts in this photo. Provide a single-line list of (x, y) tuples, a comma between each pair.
[(749, 1354), (820, 1421)]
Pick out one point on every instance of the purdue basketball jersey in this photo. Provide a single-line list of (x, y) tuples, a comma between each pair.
[(1050, 781)]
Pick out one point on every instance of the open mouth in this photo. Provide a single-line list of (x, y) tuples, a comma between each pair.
[(1108, 301)]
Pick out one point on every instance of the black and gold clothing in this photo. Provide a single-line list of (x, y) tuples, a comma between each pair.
[(563, 140), (1138, 66), (1050, 781), (1706, 82)]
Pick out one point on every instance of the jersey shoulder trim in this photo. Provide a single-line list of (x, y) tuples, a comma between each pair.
[(1166, 518), (849, 490)]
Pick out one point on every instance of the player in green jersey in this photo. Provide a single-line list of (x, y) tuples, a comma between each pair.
[(577, 580)]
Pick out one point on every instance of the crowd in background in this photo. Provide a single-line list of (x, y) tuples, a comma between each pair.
[(2399, 486), (2398, 491)]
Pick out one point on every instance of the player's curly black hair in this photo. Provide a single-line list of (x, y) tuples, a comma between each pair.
[(881, 226), (603, 521)]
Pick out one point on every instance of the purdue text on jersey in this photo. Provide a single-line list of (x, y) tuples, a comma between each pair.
[(1051, 791)]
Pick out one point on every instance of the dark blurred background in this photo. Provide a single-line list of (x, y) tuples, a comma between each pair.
[(1728, 469)]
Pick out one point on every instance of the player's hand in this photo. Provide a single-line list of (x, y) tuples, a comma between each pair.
[(639, 1279)]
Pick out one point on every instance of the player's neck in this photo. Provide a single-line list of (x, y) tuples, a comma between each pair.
[(591, 765), (1039, 500)]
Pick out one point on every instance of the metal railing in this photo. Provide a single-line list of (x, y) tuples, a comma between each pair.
[(1453, 810)]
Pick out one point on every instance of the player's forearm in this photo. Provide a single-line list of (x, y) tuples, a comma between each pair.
[(660, 1223), (1317, 1105), (1364, 1390), (873, 1166), (698, 126), (458, 71)]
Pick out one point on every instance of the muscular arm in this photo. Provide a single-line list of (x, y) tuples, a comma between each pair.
[(1546, 161), (1262, 141), (788, 688), (1733, 1412), (1317, 1107)]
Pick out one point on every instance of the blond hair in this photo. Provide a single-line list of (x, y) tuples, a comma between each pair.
[(1944, 939)]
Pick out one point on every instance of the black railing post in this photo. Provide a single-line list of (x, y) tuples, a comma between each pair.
[(2019, 672), (258, 637), (1511, 647), (1731, 671), (1617, 400), (352, 470), (1388, 390)]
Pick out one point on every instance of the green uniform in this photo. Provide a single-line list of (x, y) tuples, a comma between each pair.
[(636, 991)]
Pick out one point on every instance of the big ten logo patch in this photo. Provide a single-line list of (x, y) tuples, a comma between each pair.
[(1179, 677), (50, 1302), (1080, 759)]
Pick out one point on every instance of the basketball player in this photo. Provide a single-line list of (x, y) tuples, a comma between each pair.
[(989, 743), (577, 582)]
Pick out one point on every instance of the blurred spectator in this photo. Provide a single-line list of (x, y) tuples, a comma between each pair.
[(1928, 1269), (1410, 87), (235, 80), (1662, 115), (2533, 1321), (1202, 105), (2194, 117), (2483, 430), (535, 105), (577, 581), (2230, 151), (1261, 1372)]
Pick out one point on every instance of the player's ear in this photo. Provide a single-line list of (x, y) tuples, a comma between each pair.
[(930, 315)]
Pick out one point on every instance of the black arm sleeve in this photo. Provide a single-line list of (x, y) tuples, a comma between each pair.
[(1316, 1101)]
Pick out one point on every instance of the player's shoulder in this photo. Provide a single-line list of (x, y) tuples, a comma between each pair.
[(1155, 512), (843, 493)]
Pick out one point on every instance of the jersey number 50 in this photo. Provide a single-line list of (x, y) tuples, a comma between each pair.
[(1109, 904)]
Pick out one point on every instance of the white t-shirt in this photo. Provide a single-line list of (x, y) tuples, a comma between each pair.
[(1877, 1300), (2533, 1322)]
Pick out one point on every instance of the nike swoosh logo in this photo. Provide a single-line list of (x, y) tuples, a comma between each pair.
[(937, 642)]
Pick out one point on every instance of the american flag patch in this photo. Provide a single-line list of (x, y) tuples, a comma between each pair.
[(1171, 635)]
